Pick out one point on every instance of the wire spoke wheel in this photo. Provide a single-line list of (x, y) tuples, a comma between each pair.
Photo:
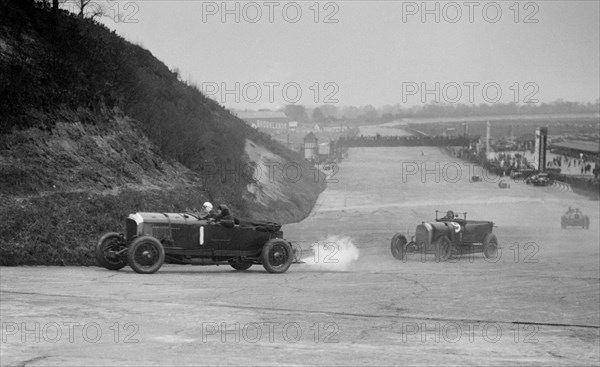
[(277, 256), (146, 255), (109, 251)]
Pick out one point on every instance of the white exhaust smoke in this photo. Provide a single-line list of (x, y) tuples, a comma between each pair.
[(334, 253)]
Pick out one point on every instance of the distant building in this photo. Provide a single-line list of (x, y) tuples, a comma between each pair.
[(575, 148), (311, 147), (539, 154), (325, 149), (526, 141), (274, 120)]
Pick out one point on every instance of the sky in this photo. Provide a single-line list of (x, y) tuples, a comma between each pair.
[(266, 54)]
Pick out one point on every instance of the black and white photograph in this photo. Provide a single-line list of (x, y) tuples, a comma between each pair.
[(299, 183)]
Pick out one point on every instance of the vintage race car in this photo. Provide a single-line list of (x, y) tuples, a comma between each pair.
[(448, 237), (522, 174), (574, 218), (503, 184), (541, 179), (154, 238)]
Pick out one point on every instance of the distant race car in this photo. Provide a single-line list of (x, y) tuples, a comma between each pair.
[(574, 218), (154, 238), (540, 179), (503, 184), (448, 237), (522, 174), (476, 179)]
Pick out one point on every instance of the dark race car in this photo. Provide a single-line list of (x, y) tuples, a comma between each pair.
[(448, 237), (522, 174), (574, 218), (154, 238), (541, 179)]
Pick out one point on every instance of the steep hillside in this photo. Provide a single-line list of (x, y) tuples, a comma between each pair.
[(93, 127)]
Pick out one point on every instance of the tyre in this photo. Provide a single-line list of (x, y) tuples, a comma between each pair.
[(240, 264), (490, 246), (146, 255), (277, 256), (106, 251), (397, 246)]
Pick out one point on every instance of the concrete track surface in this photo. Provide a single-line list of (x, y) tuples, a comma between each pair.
[(537, 303)]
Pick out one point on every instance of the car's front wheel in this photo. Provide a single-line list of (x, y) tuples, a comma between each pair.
[(109, 251), (398, 246), (490, 246), (277, 256), (146, 255)]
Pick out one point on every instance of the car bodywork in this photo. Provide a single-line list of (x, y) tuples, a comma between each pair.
[(447, 237), (180, 238), (574, 218)]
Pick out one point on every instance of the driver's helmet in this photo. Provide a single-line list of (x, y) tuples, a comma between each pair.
[(450, 214), (207, 207)]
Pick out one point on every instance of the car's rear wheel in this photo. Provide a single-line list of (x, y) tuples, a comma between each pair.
[(398, 246), (277, 256), (240, 264), (146, 255), (490, 246), (108, 251)]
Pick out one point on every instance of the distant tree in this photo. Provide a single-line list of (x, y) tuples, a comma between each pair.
[(296, 113), (90, 9), (329, 110), (369, 113), (317, 115)]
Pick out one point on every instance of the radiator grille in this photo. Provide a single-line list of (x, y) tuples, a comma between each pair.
[(130, 228)]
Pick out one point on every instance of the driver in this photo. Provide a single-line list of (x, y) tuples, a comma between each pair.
[(449, 215), (206, 209), (224, 216)]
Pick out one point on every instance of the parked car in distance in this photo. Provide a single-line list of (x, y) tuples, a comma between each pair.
[(540, 179)]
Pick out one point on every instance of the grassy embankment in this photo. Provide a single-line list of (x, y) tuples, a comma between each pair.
[(93, 127)]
